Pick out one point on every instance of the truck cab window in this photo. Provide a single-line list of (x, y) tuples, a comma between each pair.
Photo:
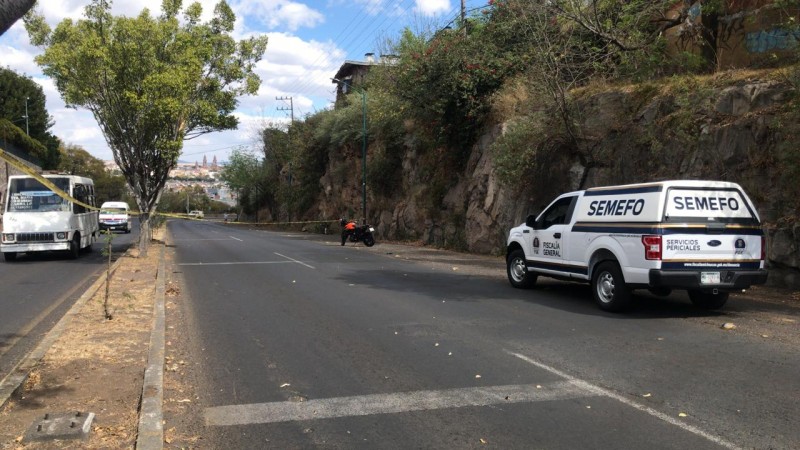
[(558, 213)]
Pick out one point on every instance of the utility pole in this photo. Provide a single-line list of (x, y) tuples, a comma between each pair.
[(464, 16), (290, 108), (288, 148), (363, 145)]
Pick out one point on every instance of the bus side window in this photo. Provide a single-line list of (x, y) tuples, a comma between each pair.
[(79, 192)]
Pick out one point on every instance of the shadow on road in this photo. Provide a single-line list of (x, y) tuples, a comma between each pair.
[(575, 298)]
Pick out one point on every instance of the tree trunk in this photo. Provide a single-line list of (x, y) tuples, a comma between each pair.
[(145, 233), (710, 43), (11, 11)]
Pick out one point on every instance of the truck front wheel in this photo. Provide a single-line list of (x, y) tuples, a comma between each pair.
[(517, 270), (609, 288), (10, 256), (75, 247)]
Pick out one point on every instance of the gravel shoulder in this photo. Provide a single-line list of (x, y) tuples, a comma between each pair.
[(95, 366)]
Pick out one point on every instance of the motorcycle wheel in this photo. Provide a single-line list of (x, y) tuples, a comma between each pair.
[(369, 241)]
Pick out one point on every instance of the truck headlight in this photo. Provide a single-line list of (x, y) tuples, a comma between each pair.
[(9, 237), (61, 235)]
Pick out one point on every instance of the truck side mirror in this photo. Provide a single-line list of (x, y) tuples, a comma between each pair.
[(530, 221)]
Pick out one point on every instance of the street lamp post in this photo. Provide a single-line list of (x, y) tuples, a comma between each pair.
[(27, 131), (363, 145)]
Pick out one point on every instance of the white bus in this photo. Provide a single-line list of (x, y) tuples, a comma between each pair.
[(36, 219)]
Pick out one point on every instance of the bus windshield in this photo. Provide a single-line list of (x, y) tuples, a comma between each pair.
[(29, 195)]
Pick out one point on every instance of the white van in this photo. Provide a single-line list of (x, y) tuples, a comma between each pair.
[(701, 236), (36, 219), (115, 216)]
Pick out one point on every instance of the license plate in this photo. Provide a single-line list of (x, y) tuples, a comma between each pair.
[(709, 277)]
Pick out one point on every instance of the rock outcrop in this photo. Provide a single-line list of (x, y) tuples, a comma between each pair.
[(734, 133)]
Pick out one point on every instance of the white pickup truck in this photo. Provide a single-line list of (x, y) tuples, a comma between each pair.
[(701, 236)]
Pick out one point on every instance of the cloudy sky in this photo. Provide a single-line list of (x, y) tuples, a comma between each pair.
[(308, 42)]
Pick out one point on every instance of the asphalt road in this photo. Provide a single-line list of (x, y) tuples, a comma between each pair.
[(306, 344), (37, 289)]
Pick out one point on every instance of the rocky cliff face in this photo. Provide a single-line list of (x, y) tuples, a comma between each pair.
[(735, 132)]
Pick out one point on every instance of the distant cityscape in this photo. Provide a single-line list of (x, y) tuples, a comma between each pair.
[(189, 174)]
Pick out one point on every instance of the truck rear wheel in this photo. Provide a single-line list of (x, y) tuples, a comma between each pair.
[(517, 270), (708, 300), (609, 288)]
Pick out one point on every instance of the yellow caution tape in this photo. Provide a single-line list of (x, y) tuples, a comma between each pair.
[(24, 168), (304, 222)]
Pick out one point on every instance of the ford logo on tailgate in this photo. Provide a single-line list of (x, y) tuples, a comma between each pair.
[(714, 243)]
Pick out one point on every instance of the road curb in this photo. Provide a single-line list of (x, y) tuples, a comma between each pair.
[(17, 377), (151, 417)]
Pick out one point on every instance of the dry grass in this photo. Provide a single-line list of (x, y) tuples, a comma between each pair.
[(96, 365)]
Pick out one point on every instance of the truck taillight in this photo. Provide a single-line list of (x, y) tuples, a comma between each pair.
[(763, 248), (652, 247)]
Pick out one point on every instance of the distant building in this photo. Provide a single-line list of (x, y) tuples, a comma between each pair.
[(352, 73)]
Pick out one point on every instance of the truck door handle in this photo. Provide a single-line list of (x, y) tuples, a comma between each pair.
[(557, 235)]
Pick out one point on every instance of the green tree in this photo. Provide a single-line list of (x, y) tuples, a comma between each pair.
[(108, 187), (77, 161), (22, 102), (150, 82), (247, 175)]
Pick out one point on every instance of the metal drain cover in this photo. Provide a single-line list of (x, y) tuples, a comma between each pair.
[(74, 425)]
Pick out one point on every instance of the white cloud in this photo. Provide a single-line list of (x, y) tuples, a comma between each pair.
[(292, 66), (299, 67), (19, 60), (433, 7), (279, 14)]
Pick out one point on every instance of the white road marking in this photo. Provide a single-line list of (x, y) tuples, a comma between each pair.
[(240, 240), (294, 260), (188, 240), (259, 413), (233, 263), (597, 390)]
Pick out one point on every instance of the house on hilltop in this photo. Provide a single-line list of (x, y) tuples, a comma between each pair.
[(351, 74)]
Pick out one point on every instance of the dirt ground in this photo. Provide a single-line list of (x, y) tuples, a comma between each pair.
[(98, 365)]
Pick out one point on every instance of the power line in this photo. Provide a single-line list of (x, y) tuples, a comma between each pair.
[(290, 108), (306, 82), (353, 31), (326, 56)]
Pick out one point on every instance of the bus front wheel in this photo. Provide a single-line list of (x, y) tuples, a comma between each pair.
[(75, 247)]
